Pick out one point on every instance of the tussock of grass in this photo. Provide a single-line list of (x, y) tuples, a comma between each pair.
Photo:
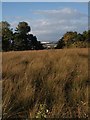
[(57, 78)]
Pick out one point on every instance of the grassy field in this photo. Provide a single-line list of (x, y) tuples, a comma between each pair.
[(48, 83)]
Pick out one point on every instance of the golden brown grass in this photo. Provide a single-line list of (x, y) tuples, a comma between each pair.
[(57, 78)]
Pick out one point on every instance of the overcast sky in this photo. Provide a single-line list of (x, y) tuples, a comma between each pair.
[(48, 21)]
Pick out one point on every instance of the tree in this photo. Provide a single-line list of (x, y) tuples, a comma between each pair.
[(86, 35), (23, 28), (7, 35), (20, 39), (80, 37), (33, 43), (60, 44), (69, 37), (72, 39), (23, 40), (0, 36)]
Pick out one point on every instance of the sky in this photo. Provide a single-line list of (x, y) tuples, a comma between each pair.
[(45, 0), (49, 21)]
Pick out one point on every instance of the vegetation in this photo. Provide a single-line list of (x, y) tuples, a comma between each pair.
[(43, 84), (48, 84), (6, 36), (73, 39), (20, 39)]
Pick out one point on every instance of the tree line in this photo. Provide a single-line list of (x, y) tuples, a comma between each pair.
[(74, 39), (21, 39)]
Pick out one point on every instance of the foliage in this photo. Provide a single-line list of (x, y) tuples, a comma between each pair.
[(6, 36), (21, 39), (69, 37), (60, 44), (80, 44), (72, 39), (23, 28)]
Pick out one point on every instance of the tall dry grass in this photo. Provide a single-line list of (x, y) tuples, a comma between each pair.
[(57, 78)]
